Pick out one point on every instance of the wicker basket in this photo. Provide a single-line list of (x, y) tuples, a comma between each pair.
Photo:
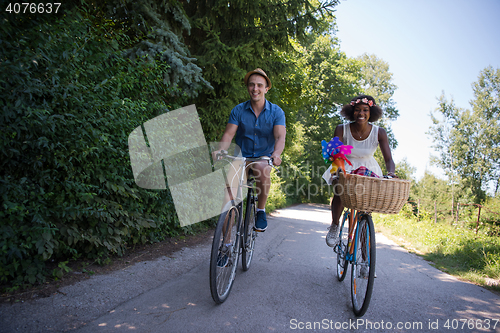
[(370, 194)]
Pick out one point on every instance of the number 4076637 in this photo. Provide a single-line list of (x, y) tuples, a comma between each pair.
[(33, 8)]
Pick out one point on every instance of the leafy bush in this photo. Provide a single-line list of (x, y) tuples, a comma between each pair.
[(69, 99), (277, 198)]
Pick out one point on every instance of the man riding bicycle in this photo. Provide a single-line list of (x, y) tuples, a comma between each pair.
[(259, 129)]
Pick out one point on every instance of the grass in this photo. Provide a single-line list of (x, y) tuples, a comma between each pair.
[(456, 250)]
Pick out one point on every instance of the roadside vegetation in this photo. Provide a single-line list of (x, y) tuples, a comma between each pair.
[(453, 248)]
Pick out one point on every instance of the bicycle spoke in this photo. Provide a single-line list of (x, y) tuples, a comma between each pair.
[(249, 233), (224, 258), (363, 267), (341, 249)]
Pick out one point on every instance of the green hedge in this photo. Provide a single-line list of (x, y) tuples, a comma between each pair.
[(69, 100)]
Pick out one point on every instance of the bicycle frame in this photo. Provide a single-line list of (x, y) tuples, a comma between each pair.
[(246, 162), (354, 216)]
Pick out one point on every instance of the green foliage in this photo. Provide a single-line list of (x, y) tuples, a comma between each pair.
[(328, 79), (70, 96), (468, 141), (491, 215), (431, 189), (406, 170), (377, 82), (158, 26), (231, 38), (291, 41), (457, 250), (277, 197), (61, 269)]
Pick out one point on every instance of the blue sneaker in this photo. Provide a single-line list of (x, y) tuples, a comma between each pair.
[(261, 222)]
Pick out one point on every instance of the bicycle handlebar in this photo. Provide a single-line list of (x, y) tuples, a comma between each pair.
[(225, 154)]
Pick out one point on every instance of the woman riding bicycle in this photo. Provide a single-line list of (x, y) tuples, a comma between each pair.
[(364, 138)]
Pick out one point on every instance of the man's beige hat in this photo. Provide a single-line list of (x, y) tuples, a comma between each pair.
[(260, 72)]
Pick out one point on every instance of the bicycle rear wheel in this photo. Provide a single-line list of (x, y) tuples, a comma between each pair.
[(363, 267), (341, 248), (249, 234), (224, 257)]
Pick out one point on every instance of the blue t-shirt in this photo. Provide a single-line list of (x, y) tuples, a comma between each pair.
[(255, 136)]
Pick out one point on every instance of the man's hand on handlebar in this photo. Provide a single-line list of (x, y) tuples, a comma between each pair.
[(217, 154), (276, 160)]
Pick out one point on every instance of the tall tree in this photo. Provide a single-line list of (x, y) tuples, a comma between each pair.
[(328, 79), (231, 38), (377, 81), (468, 141), (486, 103), (432, 193), (156, 29)]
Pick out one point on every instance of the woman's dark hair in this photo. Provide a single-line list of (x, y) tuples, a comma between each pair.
[(375, 110)]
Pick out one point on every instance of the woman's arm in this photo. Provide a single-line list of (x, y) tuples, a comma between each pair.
[(383, 141)]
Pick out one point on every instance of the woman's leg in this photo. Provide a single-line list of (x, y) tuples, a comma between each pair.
[(333, 230), (336, 207)]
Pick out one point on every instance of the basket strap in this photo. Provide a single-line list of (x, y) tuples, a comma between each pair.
[(375, 135), (344, 134)]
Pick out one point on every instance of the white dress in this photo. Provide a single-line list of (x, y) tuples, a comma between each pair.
[(361, 153)]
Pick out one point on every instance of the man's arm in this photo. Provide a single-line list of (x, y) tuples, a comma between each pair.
[(226, 139), (279, 132)]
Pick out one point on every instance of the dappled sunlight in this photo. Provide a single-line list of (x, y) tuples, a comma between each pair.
[(127, 326), (476, 300), (315, 232), (446, 277), (304, 213), (119, 326)]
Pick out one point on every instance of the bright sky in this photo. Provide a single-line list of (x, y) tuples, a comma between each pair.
[(431, 46)]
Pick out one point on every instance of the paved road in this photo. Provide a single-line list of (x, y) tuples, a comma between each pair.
[(291, 286)]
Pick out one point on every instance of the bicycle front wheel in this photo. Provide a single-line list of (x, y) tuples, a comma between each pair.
[(363, 267), (224, 257), (249, 233), (341, 248)]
